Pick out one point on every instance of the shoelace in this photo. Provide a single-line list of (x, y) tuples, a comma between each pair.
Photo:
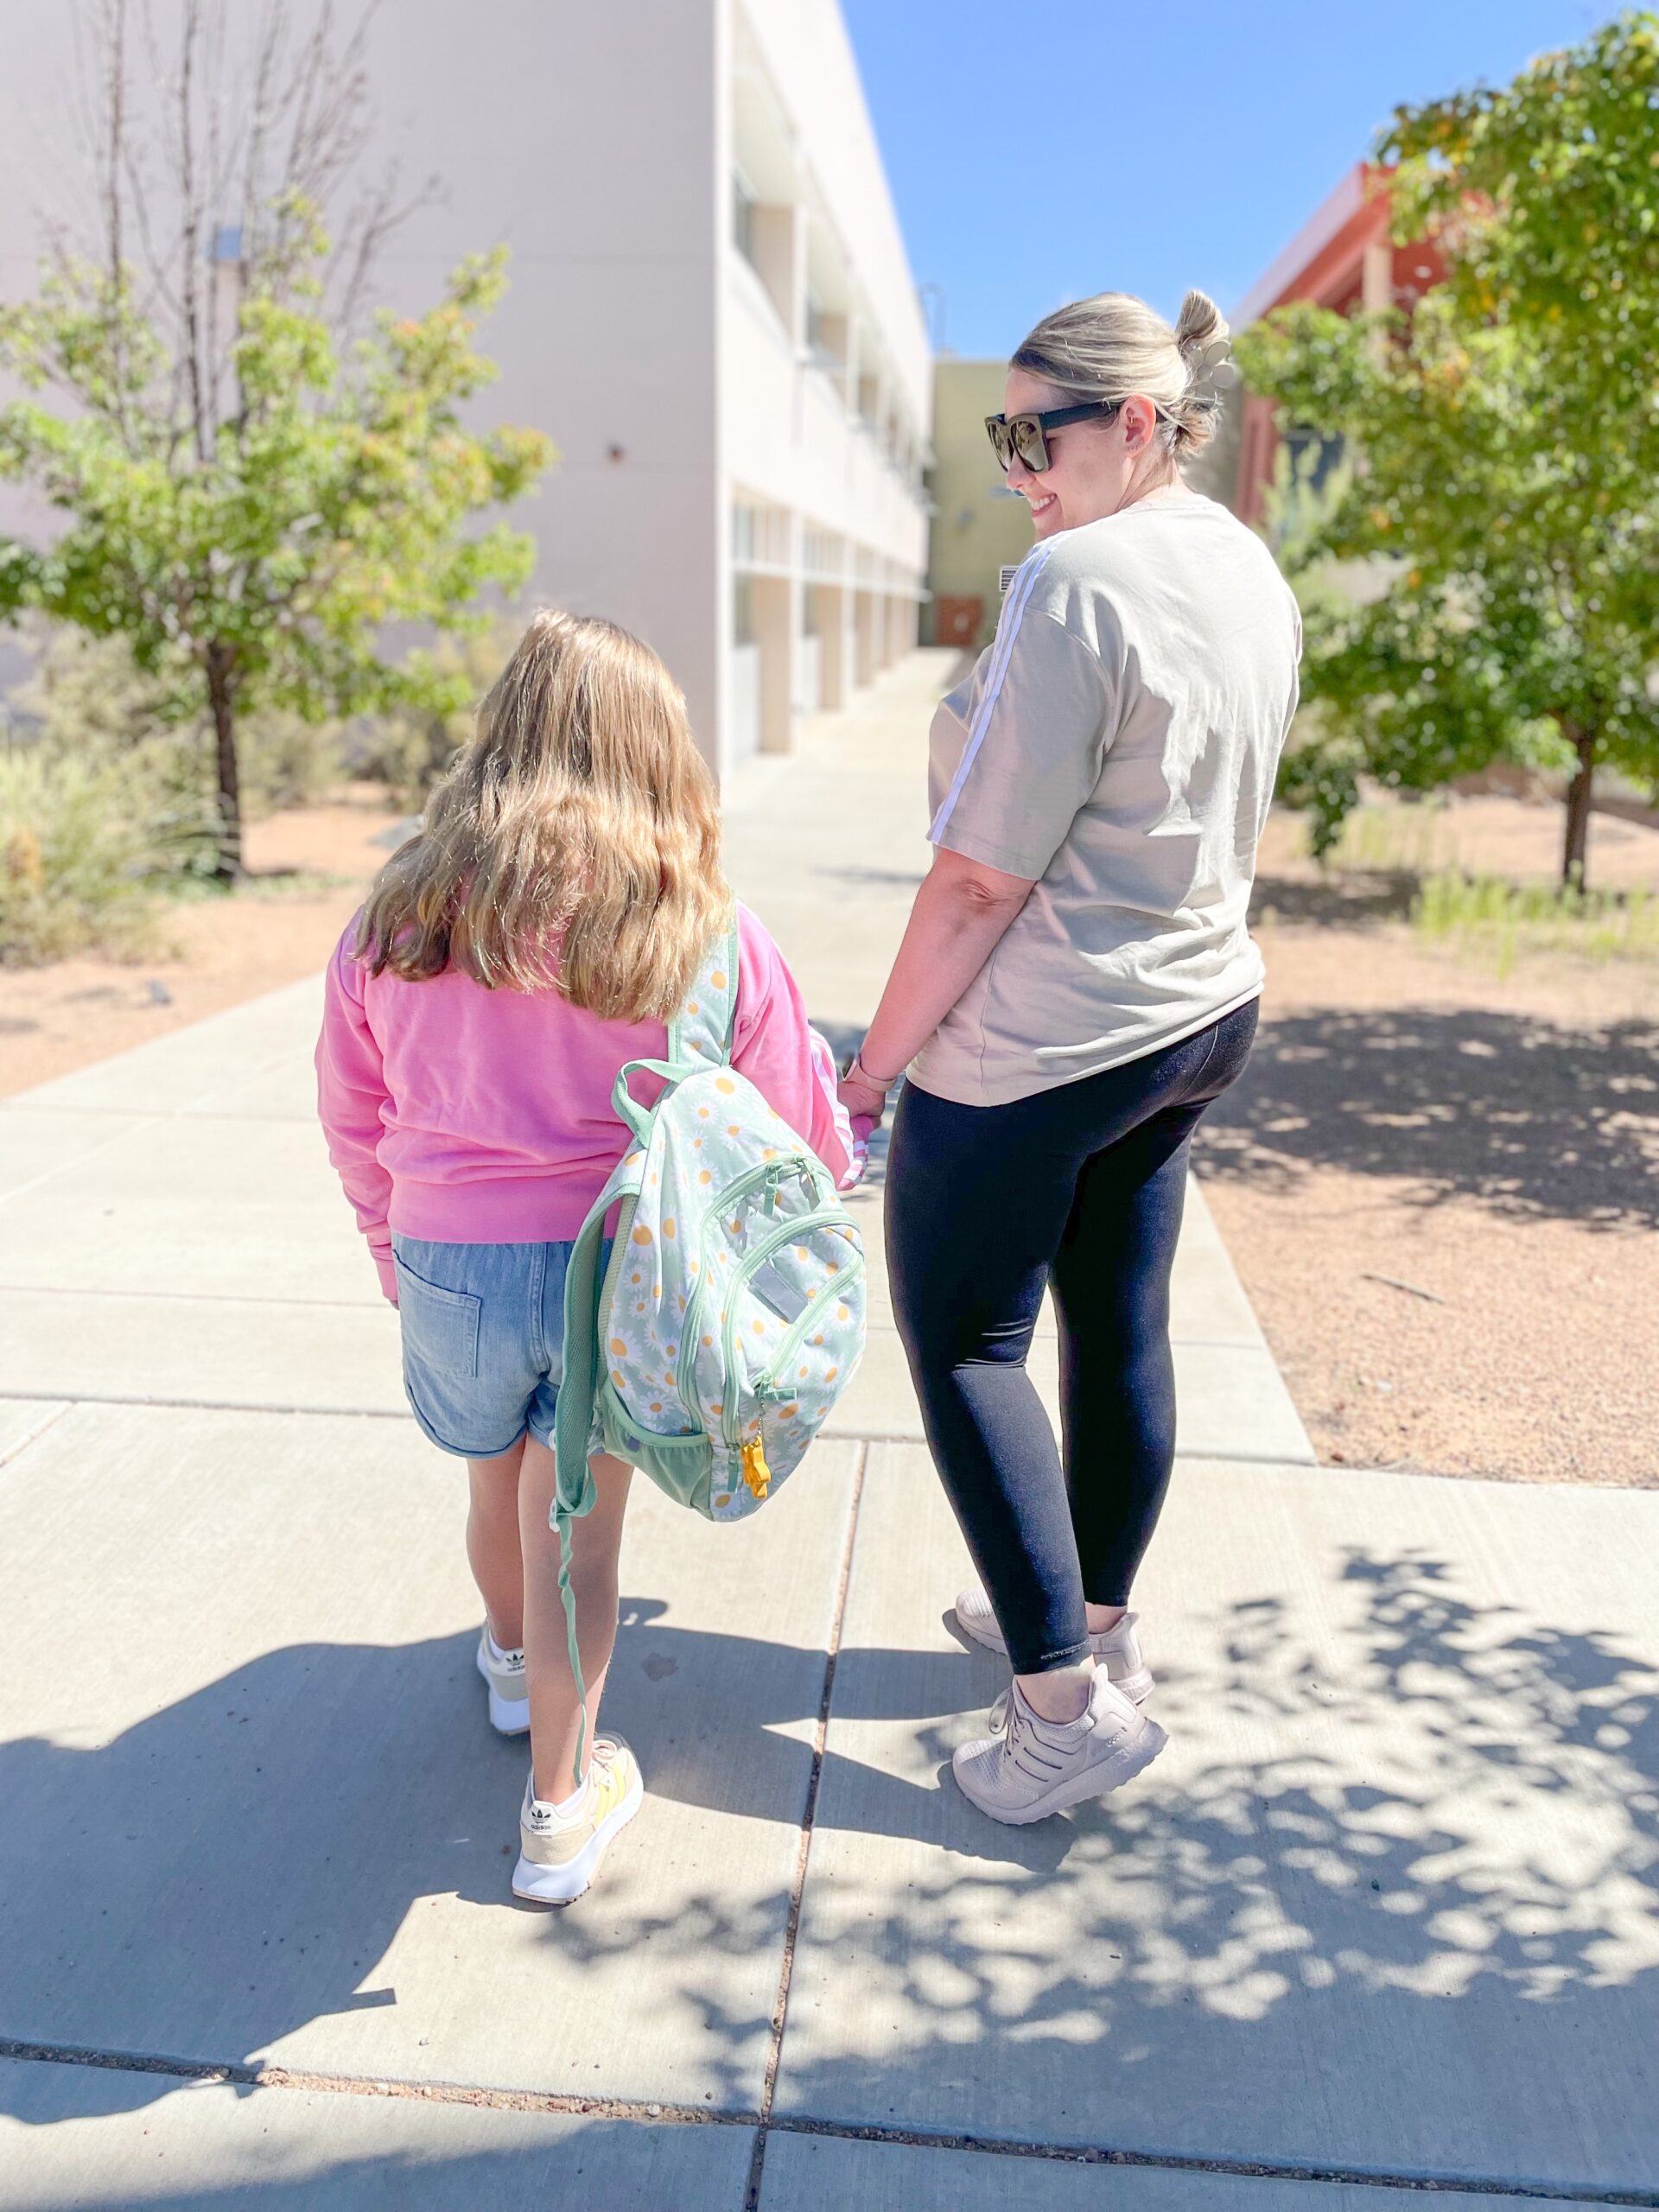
[(1009, 1721), (602, 1768)]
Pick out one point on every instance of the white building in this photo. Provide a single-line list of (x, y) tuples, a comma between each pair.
[(711, 313)]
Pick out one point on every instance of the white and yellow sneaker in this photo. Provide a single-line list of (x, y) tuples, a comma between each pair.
[(509, 1693), (1117, 1650), (559, 1848), (1032, 1767)]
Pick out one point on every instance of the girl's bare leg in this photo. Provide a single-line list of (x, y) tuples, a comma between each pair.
[(493, 1548), (596, 1542)]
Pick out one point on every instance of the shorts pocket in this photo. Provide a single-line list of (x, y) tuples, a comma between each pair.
[(440, 1327)]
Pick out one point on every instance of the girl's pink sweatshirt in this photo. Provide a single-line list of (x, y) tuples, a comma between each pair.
[(466, 1116)]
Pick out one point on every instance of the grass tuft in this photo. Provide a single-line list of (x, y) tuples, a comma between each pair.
[(1498, 921)]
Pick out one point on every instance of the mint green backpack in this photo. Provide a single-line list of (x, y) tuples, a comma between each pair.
[(731, 1315)]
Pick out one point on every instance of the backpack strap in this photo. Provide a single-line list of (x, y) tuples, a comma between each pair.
[(702, 1029), (574, 1494), (700, 1032)]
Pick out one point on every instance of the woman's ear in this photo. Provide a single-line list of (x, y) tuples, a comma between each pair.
[(1140, 420)]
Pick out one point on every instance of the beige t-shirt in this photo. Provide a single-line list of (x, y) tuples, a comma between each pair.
[(1117, 743)]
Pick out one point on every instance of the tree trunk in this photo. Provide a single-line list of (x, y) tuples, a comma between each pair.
[(1575, 853), (230, 788)]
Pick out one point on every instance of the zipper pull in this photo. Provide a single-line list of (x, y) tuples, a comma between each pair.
[(756, 1473)]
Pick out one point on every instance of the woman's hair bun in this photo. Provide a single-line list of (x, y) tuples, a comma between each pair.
[(1201, 334), (1199, 324)]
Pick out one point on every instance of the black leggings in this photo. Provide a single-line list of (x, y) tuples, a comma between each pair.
[(1081, 1188)]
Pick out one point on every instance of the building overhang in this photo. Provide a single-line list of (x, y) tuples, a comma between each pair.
[(1324, 262)]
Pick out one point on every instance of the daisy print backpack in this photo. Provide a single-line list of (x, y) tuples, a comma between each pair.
[(730, 1317)]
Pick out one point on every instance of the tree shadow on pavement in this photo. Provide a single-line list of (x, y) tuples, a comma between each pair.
[(1534, 1120), (1391, 1903)]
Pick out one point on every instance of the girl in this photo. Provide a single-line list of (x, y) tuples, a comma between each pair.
[(541, 927)]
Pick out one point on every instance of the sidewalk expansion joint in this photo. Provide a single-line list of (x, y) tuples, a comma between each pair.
[(78, 1397), (798, 1884), (646, 2113), (191, 1297), (60, 1407)]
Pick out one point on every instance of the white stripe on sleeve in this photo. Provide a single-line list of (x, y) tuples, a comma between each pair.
[(1013, 615)]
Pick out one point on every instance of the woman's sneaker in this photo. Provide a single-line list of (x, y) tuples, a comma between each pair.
[(1034, 1767), (1117, 1650), (509, 1695), (559, 1851)]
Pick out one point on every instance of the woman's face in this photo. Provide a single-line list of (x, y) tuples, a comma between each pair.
[(1094, 468)]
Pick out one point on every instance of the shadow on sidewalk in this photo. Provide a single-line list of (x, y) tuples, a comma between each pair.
[(1533, 1119), (238, 1865), (1446, 1847), (1422, 1849)]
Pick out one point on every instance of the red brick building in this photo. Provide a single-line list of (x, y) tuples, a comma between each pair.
[(1344, 258)]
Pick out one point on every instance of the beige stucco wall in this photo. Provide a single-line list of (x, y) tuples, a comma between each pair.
[(978, 524)]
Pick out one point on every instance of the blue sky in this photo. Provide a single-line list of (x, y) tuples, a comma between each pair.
[(1039, 152)]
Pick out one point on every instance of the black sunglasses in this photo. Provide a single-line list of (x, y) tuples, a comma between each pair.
[(1026, 435)]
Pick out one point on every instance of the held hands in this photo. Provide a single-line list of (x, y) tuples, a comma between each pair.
[(864, 1099)]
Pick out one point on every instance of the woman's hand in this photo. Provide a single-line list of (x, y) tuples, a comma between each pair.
[(863, 1101)]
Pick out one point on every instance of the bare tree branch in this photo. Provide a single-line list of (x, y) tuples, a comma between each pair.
[(190, 33)]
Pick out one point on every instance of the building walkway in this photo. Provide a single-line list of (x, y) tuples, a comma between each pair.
[(1382, 1917)]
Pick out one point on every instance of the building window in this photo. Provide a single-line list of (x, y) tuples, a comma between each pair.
[(811, 612), (742, 216), (742, 612)]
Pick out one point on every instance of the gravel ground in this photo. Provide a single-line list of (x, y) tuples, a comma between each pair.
[(213, 952), (1440, 1189)]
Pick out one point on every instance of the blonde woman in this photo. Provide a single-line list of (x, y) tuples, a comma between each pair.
[(1076, 984), (540, 929)]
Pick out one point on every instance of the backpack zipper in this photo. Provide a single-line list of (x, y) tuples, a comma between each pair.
[(768, 1385), (832, 1216), (691, 1324)]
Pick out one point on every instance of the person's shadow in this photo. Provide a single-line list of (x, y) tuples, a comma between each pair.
[(237, 1865)]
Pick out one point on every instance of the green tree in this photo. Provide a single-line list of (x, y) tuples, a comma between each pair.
[(251, 494), (1503, 488)]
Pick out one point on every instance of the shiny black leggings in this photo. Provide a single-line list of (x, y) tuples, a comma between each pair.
[(1079, 1188)]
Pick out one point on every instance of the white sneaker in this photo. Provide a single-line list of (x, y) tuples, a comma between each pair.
[(509, 1695), (559, 1852), (1034, 1767), (1117, 1650)]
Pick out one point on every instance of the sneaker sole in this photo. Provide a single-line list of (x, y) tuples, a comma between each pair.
[(539, 1884), (508, 1716), (1097, 1781), (1136, 1686)]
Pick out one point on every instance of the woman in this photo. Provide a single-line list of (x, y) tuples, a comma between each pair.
[(1077, 983)]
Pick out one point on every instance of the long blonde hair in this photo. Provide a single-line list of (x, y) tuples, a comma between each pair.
[(574, 843)]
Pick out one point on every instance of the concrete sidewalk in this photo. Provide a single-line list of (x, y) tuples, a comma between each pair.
[(1383, 1915)]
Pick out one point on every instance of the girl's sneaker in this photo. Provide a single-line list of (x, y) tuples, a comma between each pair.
[(1117, 1650), (559, 1850), (1034, 1767), (509, 1696)]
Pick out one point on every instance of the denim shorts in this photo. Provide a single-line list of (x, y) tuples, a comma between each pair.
[(483, 1328)]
